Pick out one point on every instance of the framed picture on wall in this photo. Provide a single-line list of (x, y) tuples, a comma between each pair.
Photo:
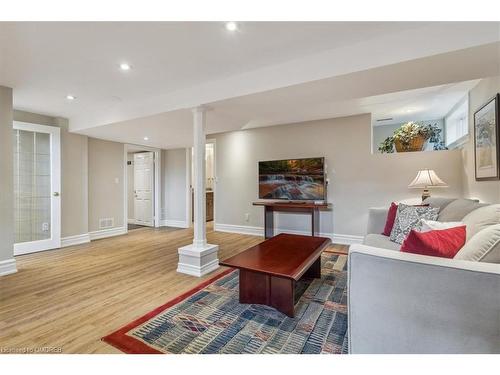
[(487, 141)]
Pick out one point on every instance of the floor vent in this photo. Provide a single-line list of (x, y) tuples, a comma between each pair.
[(106, 223)]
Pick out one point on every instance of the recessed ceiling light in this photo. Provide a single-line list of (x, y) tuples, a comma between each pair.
[(409, 110), (125, 66), (146, 138), (231, 26), (70, 97)]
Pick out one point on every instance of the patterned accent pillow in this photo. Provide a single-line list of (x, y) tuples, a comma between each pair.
[(408, 218)]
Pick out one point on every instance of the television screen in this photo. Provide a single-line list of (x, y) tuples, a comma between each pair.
[(292, 179)]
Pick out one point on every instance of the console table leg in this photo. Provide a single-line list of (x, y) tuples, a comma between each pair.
[(315, 222), (268, 222)]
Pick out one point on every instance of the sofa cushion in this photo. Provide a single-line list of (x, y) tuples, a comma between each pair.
[(380, 241), (438, 202), (443, 243), (456, 210), (408, 218), (483, 247), (481, 218)]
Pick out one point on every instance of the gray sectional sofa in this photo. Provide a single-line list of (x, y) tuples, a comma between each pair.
[(407, 303)]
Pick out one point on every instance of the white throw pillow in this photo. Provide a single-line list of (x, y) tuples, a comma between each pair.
[(428, 225), (483, 247)]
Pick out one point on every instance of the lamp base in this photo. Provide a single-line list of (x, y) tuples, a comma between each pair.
[(426, 194)]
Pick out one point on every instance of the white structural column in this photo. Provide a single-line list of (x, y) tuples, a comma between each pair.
[(199, 258)]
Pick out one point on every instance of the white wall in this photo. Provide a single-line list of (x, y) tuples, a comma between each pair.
[(486, 191), (7, 265), (358, 178), (106, 174), (174, 185)]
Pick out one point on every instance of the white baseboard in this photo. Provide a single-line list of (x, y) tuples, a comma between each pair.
[(346, 239), (8, 267), (341, 239), (104, 233), (75, 240), (240, 229), (131, 221), (174, 223)]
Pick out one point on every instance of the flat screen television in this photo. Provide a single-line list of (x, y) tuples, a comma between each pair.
[(292, 179)]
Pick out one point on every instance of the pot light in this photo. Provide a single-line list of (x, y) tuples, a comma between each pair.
[(125, 66), (231, 26), (70, 97), (146, 138)]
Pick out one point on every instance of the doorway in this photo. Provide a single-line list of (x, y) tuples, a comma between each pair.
[(37, 186), (142, 175)]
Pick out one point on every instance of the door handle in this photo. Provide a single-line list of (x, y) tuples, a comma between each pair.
[(55, 194)]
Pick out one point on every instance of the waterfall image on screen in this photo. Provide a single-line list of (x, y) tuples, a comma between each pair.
[(293, 179)]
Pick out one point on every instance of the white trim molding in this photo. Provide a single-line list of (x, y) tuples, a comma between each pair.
[(198, 261), (8, 267), (75, 240), (174, 223), (337, 238), (105, 233)]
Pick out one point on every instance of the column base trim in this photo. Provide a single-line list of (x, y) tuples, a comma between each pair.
[(198, 261)]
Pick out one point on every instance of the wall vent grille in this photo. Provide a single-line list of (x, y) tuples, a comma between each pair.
[(106, 223)]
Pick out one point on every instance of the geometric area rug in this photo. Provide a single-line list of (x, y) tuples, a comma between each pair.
[(210, 320)]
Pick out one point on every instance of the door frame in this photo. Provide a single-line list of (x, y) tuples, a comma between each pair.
[(157, 184), (54, 242)]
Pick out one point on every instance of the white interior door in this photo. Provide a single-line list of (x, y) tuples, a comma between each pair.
[(144, 188), (37, 186)]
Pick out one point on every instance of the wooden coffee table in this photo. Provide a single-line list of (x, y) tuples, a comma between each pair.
[(269, 270)]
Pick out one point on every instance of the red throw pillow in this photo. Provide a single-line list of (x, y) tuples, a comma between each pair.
[(391, 217), (443, 243)]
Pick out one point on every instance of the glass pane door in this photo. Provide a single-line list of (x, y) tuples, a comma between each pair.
[(36, 188), (31, 186)]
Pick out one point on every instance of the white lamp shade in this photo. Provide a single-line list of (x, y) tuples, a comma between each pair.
[(427, 178)]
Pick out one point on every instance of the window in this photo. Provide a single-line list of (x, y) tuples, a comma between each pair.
[(457, 124)]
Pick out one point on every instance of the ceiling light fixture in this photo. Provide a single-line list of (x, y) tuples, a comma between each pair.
[(231, 26), (125, 66), (70, 97), (146, 138)]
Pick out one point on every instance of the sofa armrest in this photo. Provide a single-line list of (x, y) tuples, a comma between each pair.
[(377, 217), (407, 303)]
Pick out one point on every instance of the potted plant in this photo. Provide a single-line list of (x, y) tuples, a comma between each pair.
[(412, 136)]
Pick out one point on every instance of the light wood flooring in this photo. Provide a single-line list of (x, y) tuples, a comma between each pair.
[(70, 298)]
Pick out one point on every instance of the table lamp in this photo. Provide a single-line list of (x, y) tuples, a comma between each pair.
[(426, 178)]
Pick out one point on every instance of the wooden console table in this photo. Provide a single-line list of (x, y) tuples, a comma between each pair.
[(310, 208)]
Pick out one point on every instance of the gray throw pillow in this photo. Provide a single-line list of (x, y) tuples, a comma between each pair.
[(438, 202), (408, 218), (481, 218), (456, 210), (483, 247)]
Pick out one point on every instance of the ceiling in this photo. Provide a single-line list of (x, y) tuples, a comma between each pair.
[(266, 73)]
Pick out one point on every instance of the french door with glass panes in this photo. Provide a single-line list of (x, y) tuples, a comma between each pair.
[(37, 186)]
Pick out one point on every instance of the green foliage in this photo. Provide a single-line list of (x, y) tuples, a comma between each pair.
[(411, 130)]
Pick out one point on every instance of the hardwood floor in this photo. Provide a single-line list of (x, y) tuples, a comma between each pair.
[(69, 298)]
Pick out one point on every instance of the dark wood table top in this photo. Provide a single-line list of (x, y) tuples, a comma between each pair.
[(286, 204), (285, 255)]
